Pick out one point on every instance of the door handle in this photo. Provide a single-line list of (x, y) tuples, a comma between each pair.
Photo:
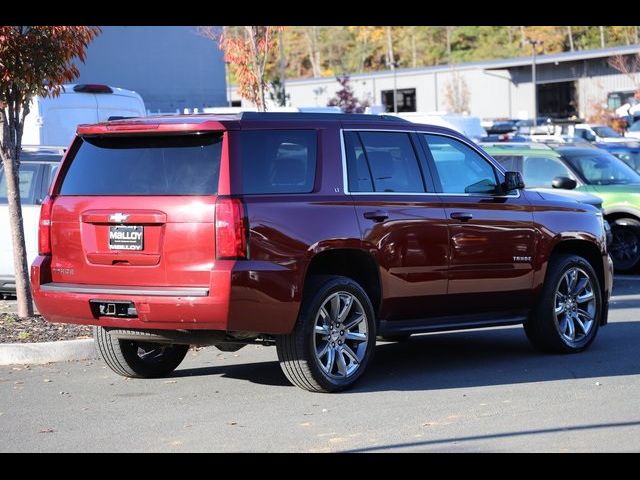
[(377, 216), (462, 216)]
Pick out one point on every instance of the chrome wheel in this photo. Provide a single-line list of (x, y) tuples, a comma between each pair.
[(575, 305), (340, 335)]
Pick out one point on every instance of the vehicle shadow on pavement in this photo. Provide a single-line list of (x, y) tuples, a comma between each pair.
[(467, 359), (496, 357), (263, 373)]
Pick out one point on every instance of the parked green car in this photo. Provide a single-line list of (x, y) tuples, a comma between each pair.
[(590, 170)]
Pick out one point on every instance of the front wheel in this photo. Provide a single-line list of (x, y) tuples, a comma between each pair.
[(625, 245), (567, 316), (334, 338), (138, 359)]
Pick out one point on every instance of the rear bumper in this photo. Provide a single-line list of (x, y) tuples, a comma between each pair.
[(163, 308), (231, 302)]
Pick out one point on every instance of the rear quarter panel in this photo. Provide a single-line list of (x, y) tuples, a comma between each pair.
[(286, 231)]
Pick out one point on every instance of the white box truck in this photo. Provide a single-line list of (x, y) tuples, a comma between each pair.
[(53, 120)]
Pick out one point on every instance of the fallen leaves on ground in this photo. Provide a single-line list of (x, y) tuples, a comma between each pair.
[(37, 329)]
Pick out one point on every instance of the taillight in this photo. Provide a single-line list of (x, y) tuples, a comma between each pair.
[(44, 227), (231, 230)]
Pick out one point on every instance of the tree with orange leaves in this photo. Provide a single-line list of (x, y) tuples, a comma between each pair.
[(33, 61), (248, 49)]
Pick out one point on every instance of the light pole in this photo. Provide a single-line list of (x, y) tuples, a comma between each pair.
[(393, 66), (534, 44)]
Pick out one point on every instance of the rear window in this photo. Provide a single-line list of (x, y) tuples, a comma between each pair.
[(145, 165), (278, 161)]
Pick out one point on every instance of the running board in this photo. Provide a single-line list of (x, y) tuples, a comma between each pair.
[(458, 322)]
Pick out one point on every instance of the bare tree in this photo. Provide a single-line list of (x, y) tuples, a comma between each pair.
[(313, 47), (414, 52), (602, 44), (570, 35), (448, 31), (391, 61), (456, 94), (629, 66)]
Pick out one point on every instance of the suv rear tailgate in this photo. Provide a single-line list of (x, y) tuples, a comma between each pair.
[(130, 209)]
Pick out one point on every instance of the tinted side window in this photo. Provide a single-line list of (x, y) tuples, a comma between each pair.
[(460, 168), (358, 171), (540, 171), (278, 161), (28, 181), (392, 162), (145, 165)]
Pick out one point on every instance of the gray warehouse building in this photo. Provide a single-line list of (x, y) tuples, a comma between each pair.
[(171, 67), (567, 84)]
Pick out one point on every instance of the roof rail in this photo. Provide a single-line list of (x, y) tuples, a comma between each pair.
[(319, 116)]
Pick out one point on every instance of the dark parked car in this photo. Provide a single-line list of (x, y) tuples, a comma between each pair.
[(628, 152), (314, 232)]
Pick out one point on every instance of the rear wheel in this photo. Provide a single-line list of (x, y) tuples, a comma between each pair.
[(138, 359), (334, 338), (625, 246), (567, 316)]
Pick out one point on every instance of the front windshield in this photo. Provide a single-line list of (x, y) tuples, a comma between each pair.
[(631, 158), (606, 132), (601, 168)]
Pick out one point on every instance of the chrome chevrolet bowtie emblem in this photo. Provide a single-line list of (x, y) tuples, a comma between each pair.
[(119, 217)]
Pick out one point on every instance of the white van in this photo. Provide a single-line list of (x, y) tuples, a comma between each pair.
[(53, 120), (470, 127)]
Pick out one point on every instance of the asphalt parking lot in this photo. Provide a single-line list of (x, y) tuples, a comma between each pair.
[(465, 391)]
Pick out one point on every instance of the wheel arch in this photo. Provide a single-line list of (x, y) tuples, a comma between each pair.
[(612, 214), (357, 264), (588, 250)]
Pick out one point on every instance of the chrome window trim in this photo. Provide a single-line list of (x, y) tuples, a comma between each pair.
[(345, 180)]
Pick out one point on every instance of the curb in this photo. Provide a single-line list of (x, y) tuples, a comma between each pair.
[(47, 352)]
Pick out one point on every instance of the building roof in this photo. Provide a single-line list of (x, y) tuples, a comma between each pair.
[(487, 65)]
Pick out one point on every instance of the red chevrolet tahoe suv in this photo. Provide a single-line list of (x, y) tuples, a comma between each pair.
[(318, 233)]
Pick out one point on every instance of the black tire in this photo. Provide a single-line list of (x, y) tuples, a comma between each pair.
[(395, 338), (625, 246), (297, 351), (124, 356), (542, 329)]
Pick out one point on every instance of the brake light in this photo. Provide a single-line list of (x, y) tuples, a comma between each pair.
[(231, 230), (92, 88), (44, 227)]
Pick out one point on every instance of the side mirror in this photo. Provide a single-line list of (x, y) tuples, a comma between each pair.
[(565, 183), (512, 181)]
